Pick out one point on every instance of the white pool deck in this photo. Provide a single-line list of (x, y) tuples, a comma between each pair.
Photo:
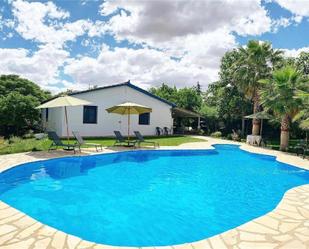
[(285, 227)]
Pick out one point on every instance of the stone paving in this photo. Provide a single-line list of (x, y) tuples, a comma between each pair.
[(286, 227)]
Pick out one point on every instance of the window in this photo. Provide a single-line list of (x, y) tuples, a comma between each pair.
[(90, 114), (46, 114), (144, 119)]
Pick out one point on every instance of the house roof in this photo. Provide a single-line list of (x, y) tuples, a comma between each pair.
[(129, 84), (180, 112)]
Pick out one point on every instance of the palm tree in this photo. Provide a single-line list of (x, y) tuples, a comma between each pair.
[(279, 96), (257, 61), (303, 115)]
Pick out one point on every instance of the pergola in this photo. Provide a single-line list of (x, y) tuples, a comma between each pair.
[(178, 112)]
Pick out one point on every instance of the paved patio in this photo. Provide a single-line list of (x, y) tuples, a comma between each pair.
[(286, 227)]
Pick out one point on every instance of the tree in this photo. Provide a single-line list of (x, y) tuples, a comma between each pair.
[(10, 83), (18, 113), (210, 115), (63, 93), (229, 103), (198, 88), (279, 96), (18, 99), (302, 63), (187, 98), (224, 95), (303, 115), (256, 62), (165, 92)]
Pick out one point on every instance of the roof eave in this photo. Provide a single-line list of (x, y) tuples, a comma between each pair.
[(127, 83)]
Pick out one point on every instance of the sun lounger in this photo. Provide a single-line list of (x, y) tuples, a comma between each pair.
[(140, 139), (80, 141), (56, 142), (121, 141)]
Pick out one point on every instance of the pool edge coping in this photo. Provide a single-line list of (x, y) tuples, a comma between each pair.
[(213, 242)]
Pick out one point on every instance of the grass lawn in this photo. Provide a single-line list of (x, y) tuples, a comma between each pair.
[(16, 145)]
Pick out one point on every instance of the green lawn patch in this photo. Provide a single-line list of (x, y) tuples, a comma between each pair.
[(16, 145), (162, 140)]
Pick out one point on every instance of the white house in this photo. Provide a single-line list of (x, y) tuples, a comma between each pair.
[(94, 121)]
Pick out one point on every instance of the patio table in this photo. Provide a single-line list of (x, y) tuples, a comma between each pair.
[(254, 139)]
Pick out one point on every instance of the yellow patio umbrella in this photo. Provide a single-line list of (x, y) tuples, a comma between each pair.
[(129, 108), (64, 101)]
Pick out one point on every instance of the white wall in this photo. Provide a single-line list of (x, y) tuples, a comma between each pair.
[(55, 119), (107, 122)]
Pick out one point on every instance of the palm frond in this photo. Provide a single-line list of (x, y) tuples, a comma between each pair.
[(304, 124)]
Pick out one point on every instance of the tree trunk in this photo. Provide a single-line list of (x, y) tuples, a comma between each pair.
[(285, 134), (256, 109)]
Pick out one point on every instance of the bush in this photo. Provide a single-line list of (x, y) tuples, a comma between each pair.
[(18, 101), (200, 132), (229, 136), (216, 134), (30, 134), (14, 139), (35, 149), (236, 135)]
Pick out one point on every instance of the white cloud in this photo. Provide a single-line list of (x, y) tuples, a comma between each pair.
[(144, 66), (41, 67), (295, 52), (299, 8), (297, 19), (46, 23), (160, 20), (205, 50), (197, 33), (197, 46), (98, 28), (179, 42), (281, 22)]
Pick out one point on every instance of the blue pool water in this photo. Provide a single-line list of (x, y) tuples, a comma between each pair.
[(150, 198)]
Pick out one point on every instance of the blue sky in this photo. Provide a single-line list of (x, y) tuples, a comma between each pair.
[(76, 44)]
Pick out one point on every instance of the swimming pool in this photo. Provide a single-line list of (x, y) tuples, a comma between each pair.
[(150, 198)]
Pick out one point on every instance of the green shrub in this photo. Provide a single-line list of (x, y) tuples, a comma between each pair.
[(19, 98), (229, 136), (200, 132), (216, 134), (35, 149), (15, 140), (236, 135), (30, 134)]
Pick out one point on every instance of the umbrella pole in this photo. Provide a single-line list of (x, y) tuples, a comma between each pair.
[(261, 127), (66, 121), (128, 125)]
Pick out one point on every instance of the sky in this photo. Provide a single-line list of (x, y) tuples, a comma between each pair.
[(72, 44)]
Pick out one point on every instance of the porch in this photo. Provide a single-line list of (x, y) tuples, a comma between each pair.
[(185, 121)]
